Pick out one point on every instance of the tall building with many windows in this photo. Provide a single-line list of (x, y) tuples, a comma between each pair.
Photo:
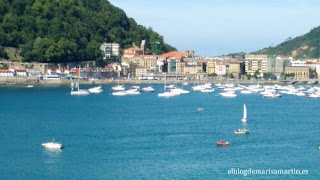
[(255, 63), (110, 50)]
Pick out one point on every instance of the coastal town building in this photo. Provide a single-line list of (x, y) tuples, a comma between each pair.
[(234, 67), (300, 72), (141, 71), (220, 68), (19, 71), (5, 72), (255, 63), (211, 66), (34, 72), (110, 50), (277, 65)]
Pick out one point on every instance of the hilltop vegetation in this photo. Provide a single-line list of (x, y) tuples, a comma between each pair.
[(69, 30), (305, 46)]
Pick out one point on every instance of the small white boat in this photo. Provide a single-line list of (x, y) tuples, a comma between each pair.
[(246, 92), (228, 94), (207, 90), (52, 145), (313, 96), (80, 92), (30, 86), (181, 91), (169, 87), (166, 94), (118, 88), (244, 118), (135, 87), (132, 92), (95, 89), (241, 131), (300, 93), (185, 84), (119, 93), (271, 95), (147, 89)]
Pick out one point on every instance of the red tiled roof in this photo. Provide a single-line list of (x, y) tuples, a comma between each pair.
[(20, 69), (175, 54), (5, 70)]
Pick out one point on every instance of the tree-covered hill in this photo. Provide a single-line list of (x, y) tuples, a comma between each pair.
[(305, 46), (69, 30)]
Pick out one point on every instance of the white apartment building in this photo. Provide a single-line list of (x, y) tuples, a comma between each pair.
[(255, 63)]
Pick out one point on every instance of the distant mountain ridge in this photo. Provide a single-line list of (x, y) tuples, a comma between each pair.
[(301, 47), (69, 30)]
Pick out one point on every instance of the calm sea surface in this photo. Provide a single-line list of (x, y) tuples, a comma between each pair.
[(147, 137)]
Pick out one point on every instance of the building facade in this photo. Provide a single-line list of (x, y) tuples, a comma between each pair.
[(300, 72), (211, 66), (110, 50), (255, 63)]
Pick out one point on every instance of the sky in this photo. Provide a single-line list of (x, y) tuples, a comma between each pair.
[(219, 27)]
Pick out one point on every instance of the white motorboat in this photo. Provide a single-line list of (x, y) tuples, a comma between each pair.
[(179, 90), (244, 118), (185, 84), (135, 87), (201, 87), (207, 90), (147, 89), (246, 92), (169, 87), (228, 94), (132, 92), (271, 95), (119, 93), (313, 96), (52, 145), (30, 86), (166, 94), (300, 93), (95, 89), (80, 92)]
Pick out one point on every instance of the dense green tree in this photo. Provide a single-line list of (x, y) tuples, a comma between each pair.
[(69, 30)]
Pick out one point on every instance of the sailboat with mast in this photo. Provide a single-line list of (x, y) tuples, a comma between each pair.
[(165, 93), (118, 87), (75, 90), (244, 118)]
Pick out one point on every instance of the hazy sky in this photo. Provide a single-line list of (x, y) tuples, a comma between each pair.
[(216, 27)]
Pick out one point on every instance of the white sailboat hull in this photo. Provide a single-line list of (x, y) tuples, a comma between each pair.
[(80, 92)]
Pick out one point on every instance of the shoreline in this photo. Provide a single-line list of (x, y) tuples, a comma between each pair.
[(18, 81)]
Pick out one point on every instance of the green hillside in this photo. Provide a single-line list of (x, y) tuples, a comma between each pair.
[(305, 46), (69, 30)]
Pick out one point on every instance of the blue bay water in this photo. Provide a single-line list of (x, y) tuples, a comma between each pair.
[(147, 137)]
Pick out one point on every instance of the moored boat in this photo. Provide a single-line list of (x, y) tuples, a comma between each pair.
[(52, 145), (147, 89), (241, 131), (222, 143)]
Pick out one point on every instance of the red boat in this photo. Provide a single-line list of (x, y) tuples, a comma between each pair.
[(222, 143)]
